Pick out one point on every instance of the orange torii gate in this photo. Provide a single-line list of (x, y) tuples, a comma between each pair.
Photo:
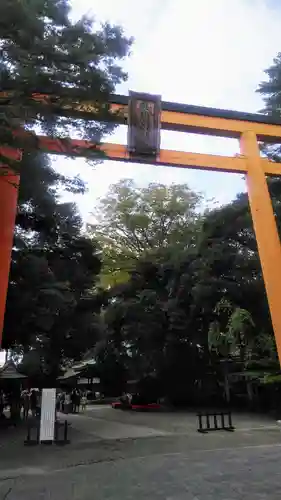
[(145, 116)]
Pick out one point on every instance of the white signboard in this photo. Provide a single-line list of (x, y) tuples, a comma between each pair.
[(48, 412)]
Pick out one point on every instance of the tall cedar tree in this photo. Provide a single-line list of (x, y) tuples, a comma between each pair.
[(270, 90), (43, 50)]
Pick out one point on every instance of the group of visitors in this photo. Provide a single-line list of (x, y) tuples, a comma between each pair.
[(28, 402), (70, 402), (31, 402)]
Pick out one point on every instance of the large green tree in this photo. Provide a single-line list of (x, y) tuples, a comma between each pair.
[(52, 305), (167, 306), (156, 222)]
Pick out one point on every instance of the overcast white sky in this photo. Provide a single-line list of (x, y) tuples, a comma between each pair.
[(209, 53)]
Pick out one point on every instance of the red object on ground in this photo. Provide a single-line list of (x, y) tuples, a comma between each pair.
[(150, 406), (117, 404)]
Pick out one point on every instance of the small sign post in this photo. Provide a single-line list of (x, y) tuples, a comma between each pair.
[(47, 419), (144, 119)]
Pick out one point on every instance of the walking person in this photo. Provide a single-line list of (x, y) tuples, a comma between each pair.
[(33, 402), (73, 401), (58, 402), (84, 402), (68, 403), (39, 404), (25, 404), (62, 402), (77, 401)]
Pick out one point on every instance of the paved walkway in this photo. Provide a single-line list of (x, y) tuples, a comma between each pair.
[(105, 435), (178, 422), (96, 423), (122, 455), (248, 473)]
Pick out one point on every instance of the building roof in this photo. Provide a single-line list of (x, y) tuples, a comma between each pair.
[(69, 374)]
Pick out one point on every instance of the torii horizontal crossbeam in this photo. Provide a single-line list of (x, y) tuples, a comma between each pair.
[(167, 157)]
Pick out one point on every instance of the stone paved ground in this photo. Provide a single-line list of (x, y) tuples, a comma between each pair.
[(181, 422), (166, 458), (244, 474)]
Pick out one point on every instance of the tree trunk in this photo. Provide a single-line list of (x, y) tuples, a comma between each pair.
[(226, 383), (250, 392)]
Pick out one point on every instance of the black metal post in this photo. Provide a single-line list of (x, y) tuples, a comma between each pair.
[(65, 431), (215, 421), (230, 420), (56, 430), (200, 422)]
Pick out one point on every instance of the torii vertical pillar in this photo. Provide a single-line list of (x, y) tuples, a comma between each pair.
[(265, 227), (9, 184)]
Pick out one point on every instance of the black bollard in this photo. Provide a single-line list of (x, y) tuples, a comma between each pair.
[(222, 421), (65, 431), (200, 422), (65, 439), (230, 426), (208, 421), (215, 421), (56, 430)]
